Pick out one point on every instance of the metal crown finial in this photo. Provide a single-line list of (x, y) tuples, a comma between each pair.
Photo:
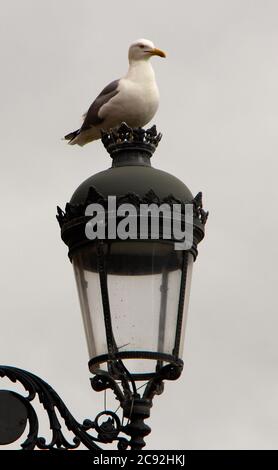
[(125, 137)]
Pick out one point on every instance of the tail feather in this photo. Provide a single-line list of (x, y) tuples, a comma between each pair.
[(71, 135), (82, 137)]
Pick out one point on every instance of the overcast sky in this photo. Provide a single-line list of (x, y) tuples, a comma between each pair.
[(218, 116)]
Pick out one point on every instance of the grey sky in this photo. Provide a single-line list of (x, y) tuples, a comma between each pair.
[(218, 115)]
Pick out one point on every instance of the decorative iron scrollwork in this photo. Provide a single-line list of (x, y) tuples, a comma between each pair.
[(135, 408), (51, 402)]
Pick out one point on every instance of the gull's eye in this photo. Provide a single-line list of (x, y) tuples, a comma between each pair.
[(141, 46)]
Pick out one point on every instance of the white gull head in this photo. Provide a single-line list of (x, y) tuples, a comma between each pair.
[(143, 49)]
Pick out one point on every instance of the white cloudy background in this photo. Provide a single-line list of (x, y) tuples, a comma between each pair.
[(218, 115)]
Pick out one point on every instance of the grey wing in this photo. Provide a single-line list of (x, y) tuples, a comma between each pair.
[(92, 118)]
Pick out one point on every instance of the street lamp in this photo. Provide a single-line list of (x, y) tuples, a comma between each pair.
[(133, 277)]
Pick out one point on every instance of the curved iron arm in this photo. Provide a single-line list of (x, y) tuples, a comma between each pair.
[(35, 386), (135, 408)]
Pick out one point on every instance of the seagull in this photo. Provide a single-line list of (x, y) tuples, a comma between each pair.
[(132, 99)]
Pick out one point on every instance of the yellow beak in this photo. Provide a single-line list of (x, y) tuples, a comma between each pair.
[(158, 52)]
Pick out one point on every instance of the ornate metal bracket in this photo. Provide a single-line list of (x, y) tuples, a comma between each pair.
[(17, 410)]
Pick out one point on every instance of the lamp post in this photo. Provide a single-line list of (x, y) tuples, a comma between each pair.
[(133, 278)]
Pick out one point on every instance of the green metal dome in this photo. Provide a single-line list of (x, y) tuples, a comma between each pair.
[(131, 170)]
